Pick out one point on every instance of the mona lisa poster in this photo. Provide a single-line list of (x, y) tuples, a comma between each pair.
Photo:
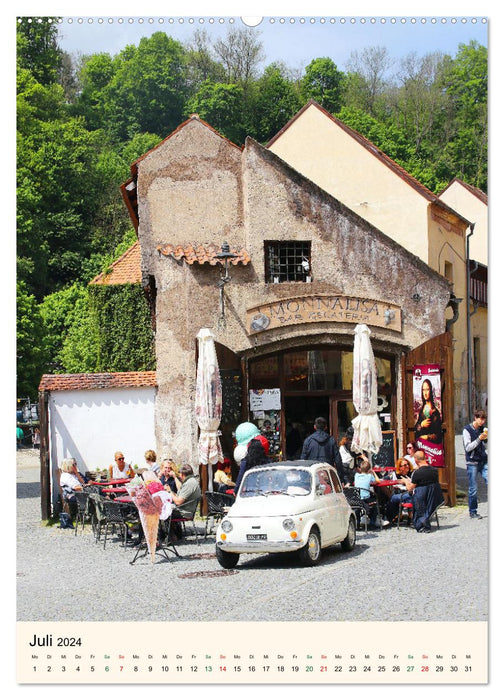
[(428, 412)]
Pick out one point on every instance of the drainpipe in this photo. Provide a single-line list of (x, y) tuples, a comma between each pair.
[(469, 338)]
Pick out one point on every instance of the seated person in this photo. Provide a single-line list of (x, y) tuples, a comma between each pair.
[(427, 493), (169, 476), (120, 470), (70, 481), (401, 493), (150, 461), (222, 477), (186, 500), (363, 481)]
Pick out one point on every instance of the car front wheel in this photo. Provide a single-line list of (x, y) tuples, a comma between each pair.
[(310, 553), (228, 560), (349, 542)]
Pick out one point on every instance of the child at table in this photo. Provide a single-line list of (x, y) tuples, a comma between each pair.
[(363, 480)]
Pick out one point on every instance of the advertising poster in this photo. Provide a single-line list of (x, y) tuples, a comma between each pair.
[(160, 157), (428, 412)]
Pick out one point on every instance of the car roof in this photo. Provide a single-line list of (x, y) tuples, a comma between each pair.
[(303, 463)]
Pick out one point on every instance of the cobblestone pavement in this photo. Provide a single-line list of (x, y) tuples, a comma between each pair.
[(63, 576)]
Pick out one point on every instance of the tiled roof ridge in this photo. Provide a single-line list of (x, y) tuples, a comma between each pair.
[(97, 380), (101, 278), (202, 253)]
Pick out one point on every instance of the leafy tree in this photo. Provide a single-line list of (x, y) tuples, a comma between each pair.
[(221, 105), (94, 76), (466, 83), (275, 101), (201, 64), (324, 83), (390, 139), (366, 81), (37, 48), (31, 351), (147, 91), (60, 311), (240, 53), (420, 102)]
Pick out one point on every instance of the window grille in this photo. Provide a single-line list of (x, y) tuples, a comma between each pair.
[(288, 261)]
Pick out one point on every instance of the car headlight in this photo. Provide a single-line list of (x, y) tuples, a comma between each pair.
[(288, 524), (227, 526)]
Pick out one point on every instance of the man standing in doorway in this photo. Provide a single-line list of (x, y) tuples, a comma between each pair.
[(321, 445), (476, 456)]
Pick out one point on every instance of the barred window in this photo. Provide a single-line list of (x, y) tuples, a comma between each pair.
[(287, 261)]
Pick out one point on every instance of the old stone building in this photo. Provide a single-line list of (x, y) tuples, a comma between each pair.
[(306, 269)]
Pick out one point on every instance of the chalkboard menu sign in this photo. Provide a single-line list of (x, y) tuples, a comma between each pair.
[(387, 455), (231, 396)]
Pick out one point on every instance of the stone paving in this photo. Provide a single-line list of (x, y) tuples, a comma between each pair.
[(393, 574)]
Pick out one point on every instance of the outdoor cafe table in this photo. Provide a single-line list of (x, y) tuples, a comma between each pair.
[(110, 482), (117, 491)]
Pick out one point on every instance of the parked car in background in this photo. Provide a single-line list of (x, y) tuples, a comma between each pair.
[(287, 507)]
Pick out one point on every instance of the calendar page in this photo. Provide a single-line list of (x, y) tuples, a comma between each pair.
[(357, 592)]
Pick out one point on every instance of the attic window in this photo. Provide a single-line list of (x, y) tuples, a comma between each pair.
[(287, 261)]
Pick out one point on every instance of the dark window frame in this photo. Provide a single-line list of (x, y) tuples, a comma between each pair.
[(283, 261)]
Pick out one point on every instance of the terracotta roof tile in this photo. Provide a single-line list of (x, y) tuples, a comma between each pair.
[(105, 380), (202, 254), (125, 269)]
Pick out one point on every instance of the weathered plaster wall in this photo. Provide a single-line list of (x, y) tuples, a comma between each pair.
[(258, 198)]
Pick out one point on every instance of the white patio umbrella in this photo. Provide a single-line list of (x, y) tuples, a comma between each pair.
[(367, 428), (208, 403)]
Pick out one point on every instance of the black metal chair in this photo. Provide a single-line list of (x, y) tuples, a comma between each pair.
[(175, 518), (360, 508), (217, 504), (115, 516), (83, 511), (98, 518)]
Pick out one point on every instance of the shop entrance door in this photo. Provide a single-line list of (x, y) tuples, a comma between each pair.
[(300, 413)]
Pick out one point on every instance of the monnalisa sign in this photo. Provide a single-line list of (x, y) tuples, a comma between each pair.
[(327, 308)]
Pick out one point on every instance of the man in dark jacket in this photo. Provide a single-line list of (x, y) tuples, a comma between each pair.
[(320, 445)]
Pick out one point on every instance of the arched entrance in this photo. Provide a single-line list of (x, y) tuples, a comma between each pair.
[(311, 382)]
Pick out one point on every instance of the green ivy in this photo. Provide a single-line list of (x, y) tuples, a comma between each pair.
[(121, 317)]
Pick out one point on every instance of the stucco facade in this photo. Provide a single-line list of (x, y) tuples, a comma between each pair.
[(358, 174), (472, 203), (198, 188)]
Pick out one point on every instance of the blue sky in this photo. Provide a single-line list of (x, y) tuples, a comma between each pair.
[(294, 39)]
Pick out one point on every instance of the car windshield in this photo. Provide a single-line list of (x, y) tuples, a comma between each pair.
[(273, 482)]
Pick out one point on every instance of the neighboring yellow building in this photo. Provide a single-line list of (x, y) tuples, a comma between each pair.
[(472, 203), (353, 170)]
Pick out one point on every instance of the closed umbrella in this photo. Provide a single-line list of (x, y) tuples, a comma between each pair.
[(208, 406), (367, 429)]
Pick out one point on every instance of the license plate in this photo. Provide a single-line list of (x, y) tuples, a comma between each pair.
[(261, 536)]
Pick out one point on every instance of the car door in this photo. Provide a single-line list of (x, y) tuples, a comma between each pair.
[(341, 505), (326, 505)]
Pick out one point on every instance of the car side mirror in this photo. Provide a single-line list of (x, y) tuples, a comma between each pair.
[(320, 490)]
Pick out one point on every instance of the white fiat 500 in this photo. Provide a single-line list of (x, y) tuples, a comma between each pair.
[(284, 507)]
